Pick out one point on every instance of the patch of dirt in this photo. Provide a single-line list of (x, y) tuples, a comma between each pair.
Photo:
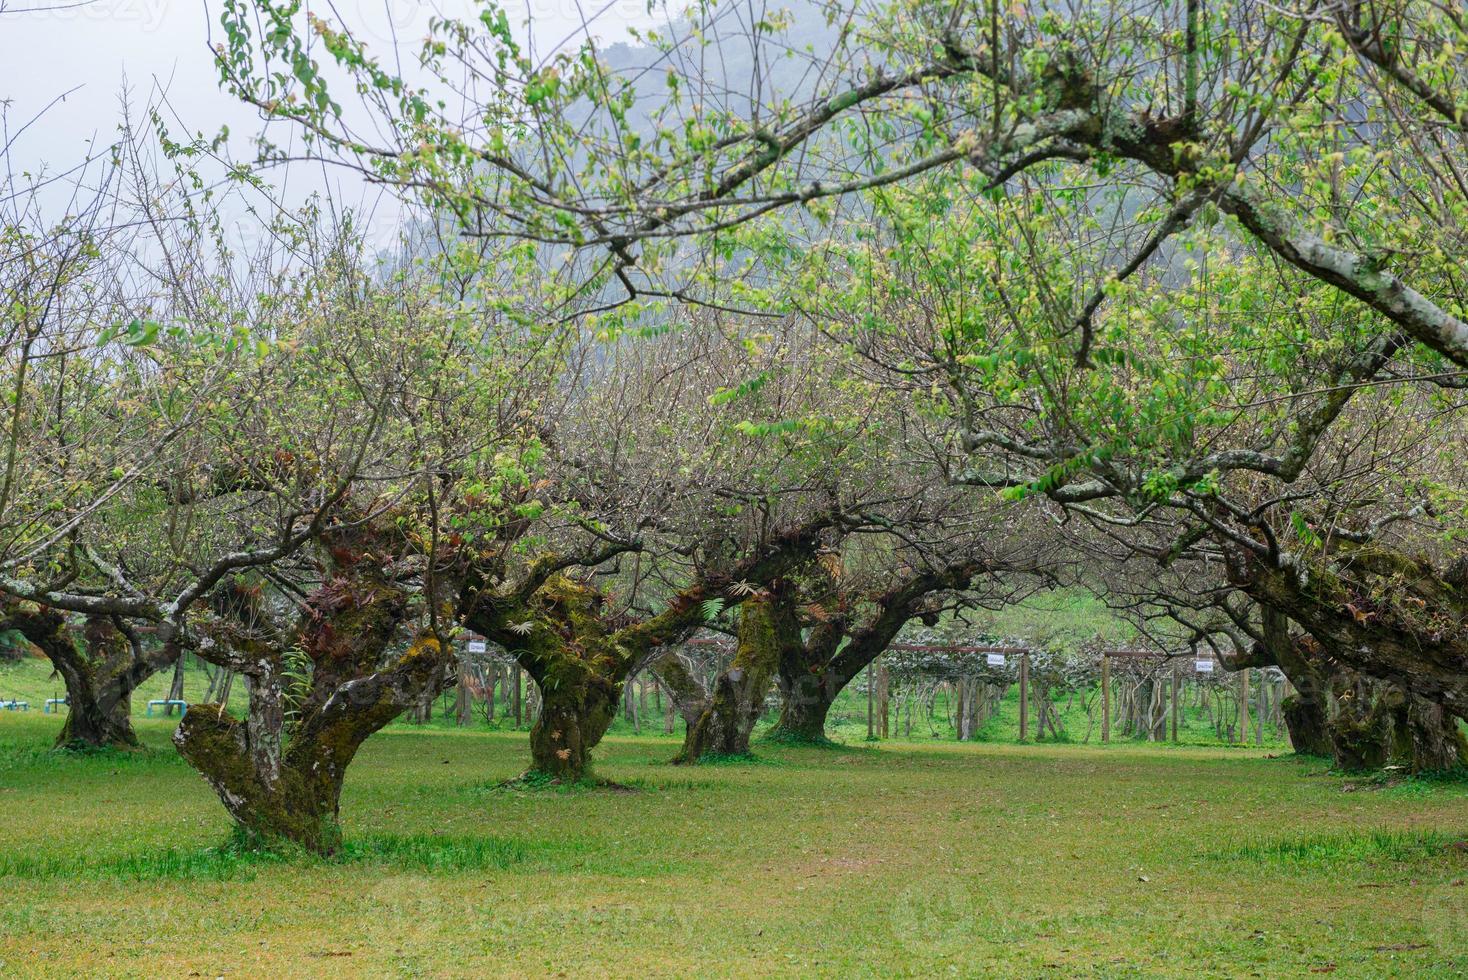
[(837, 866)]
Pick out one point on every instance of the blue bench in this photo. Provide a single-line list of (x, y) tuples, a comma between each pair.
[(183, 706), (15, 705), (54, 705)]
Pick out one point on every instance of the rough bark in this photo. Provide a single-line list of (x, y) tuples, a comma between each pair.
[(1377, 724), (573, 718), (293, 796), (806, 702), (1360, 722), (1307, 711), (1430, 737), (1306, 721), (724, 725), (101, 669), (279, 771), (98, 692), (284, 803), (560, 634), (1383, 614), (580, 653)]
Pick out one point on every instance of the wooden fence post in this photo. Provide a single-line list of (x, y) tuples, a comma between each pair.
[(871, 734), (1244, 706), (884, 698), (463, 700), (1174, 703), (1105, 698), (515, 694), (1262, 713), (1024, 696)]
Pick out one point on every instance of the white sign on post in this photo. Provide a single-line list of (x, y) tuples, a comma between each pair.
[(1205, 666), (477, 646), (996, 660)]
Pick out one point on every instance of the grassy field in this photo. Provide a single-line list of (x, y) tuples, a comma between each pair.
[(919, 859)]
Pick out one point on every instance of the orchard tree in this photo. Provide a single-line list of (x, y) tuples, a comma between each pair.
[(425, 390), (318, 689), (720, 716), (114, 378), (1327, 132), (101, 662)]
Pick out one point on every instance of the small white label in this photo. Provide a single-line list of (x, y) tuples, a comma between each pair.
[(1205, 666), (996, 660), (477, 646)]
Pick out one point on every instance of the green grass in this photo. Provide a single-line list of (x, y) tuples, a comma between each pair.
[(1361, 847), (916, 859), (423, 852)]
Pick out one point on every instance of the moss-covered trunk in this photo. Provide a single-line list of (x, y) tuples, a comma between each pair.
[(98, 690), (100, 669), (97, 718), (294, 802), (1429, 738), (559, 634), (1377, 724), (1307, 711), (724, 726), (280, 774), (318, 690), (1383, 614), (573, 718), (805, 704), (1307, 720)]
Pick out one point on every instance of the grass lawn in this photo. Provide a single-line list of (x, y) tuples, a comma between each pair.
[(922, 859)]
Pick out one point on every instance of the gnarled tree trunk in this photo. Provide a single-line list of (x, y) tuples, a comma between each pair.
[(1307, 711), (1378, 724), (558, 634), (100, 673), (816, 666), (1358, 721), (806, 701), (294, 795), (580, 653), (559, 631), (1308, 724), (279, 771), (1384, 614), (731, 709), (574, 715)]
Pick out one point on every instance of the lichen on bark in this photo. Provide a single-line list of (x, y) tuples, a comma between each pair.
[(734, 704), (318, 689)]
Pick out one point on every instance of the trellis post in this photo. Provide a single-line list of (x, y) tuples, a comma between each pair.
[(1262, 714), (871, 733), (515, 702), (1174, 703), (1244, 706), (1024, 695)]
